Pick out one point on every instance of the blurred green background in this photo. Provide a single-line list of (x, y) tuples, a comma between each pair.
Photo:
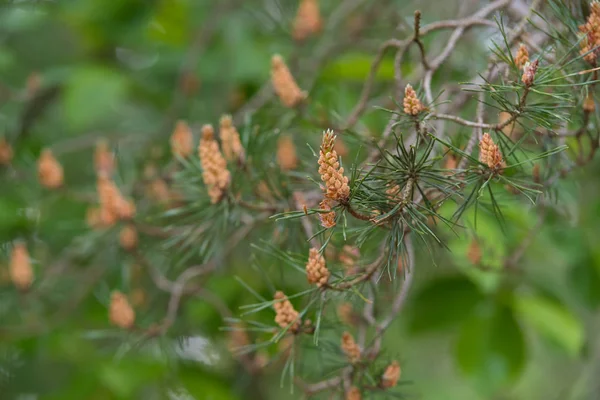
[(73, 71)]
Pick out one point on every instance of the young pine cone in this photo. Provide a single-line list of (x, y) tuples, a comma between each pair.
[(489, 153), (6, 152), (308, 19), (182, 140), (286, 153), (104, 159), (50, 172), (120, 312), (215, 175), (316, 270), (391, 376), (284, 84), (353, 394), (230, 139), (522, 56), (327, 219), (20, 271), (336, 184), (412, 104), (285, 314), (350, 348)]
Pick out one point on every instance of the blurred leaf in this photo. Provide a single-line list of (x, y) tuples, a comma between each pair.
[(443, 303), (356, 66), (491, 349), (585, 281), (552, 320), (198, 382), (93, 94)]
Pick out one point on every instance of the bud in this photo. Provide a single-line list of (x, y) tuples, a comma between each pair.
[(391, 376), (489, 153), (308, 19), (284, 84), (128, 237), (285, 314), (529, 70), (104, 159), (536, 173), (316, 270), (412, 104), (50, 172), (215, 175), (336, 184), (350, 347), (588, 106), (522, 56), (6, 152), (182, 140), (21, 273), (120, 312), (451, 162), (230, 139), (353, 394), (286, 153)]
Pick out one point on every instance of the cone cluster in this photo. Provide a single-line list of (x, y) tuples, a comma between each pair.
[(336, 184), (284, 84), (412, 104), (215, 175), (350, 347), (121, 313), (391, 376), (591, 32), (522, 56), (20, 271), (353, 394), (316, 269), (230, 139), (489, 153), (308, 19), (286, 153), (327, 219), (285, 314), (50, 172), (182, 140)]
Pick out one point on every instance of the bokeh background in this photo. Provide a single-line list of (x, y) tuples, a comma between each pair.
[(74, 71)]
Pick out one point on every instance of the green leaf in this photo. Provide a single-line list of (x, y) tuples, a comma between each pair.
[(93, 95), (491, 349), (552, 320), (443, 303)]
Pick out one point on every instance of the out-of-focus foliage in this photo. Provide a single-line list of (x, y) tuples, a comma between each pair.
[(475, 326)]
